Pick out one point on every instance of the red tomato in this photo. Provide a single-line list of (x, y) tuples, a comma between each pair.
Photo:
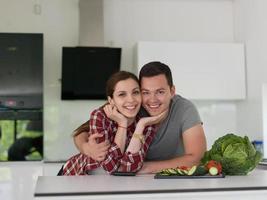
[(183, 167), (213, 163)]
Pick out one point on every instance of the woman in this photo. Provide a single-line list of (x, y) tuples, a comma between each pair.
[(119, 123)]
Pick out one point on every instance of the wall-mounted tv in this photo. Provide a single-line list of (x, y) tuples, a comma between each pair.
[(21, 70), (85, 71)]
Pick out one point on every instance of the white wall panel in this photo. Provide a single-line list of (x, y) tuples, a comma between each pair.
[(209, 71)]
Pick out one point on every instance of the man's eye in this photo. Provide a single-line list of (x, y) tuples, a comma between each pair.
[(161, 92), (144, 93)]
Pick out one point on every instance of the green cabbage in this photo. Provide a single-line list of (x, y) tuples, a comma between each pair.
[(236, 154)]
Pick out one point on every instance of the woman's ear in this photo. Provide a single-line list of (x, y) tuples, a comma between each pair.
[(110, 101)]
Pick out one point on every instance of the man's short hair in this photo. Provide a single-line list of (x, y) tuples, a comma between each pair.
[(156, 68)]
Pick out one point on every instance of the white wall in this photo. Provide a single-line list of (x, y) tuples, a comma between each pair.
[(125, 23), (199, 69), (251, 28)]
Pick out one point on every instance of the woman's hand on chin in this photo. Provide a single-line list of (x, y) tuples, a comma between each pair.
[(113, 113)]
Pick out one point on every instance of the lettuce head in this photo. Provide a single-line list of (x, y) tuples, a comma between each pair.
[(236, 154)]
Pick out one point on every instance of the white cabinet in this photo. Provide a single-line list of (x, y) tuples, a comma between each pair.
[(201, 71)]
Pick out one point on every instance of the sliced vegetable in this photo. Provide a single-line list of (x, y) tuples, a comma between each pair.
[(192, 170), (185, 171), (214, 167), (172, 171), (213, 171), (200, 171), (180, 171), (164, 174), (213, 163)]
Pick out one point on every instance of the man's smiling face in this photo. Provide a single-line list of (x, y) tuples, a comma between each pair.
[(156, 94)]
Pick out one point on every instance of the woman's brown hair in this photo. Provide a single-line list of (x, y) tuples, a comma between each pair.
[(110, 87), (83, 128), (117, 77)]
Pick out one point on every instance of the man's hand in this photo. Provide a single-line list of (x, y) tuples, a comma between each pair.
[(96, 151), (194, 148), (146, 121)]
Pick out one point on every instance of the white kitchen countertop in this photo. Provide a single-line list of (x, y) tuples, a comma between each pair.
[(103, 184)]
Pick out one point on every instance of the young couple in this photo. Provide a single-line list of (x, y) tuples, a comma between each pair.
[(167, 132)]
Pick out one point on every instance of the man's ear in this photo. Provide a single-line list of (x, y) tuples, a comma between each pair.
[(172, 90), (110, 101)]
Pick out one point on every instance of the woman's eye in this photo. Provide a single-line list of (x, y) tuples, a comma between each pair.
[(121, 95), (144, 93), (136, 92)]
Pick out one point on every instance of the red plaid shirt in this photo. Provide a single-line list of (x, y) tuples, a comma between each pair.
[(80, 164)]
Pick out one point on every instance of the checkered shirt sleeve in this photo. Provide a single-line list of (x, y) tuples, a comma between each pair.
[(78, 165), (115, 159), (133, 162), (99, 123)]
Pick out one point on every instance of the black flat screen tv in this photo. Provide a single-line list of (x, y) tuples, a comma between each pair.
[(85, 71), (21, 70)]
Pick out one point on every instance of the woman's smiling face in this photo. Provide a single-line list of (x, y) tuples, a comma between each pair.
[(127, 98)]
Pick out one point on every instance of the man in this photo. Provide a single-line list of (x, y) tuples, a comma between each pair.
[(180, 138)]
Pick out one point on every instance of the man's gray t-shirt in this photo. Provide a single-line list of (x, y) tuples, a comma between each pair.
[(168, 142)]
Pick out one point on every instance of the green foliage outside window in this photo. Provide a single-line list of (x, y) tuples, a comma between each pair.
[(7, 138)]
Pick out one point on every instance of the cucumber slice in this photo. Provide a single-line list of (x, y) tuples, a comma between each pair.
[(164, 174), (213, 171), (164, 171), (192, 170), (167, 171), (180, 171), (177, 172), (172, 171), (185, 171)]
